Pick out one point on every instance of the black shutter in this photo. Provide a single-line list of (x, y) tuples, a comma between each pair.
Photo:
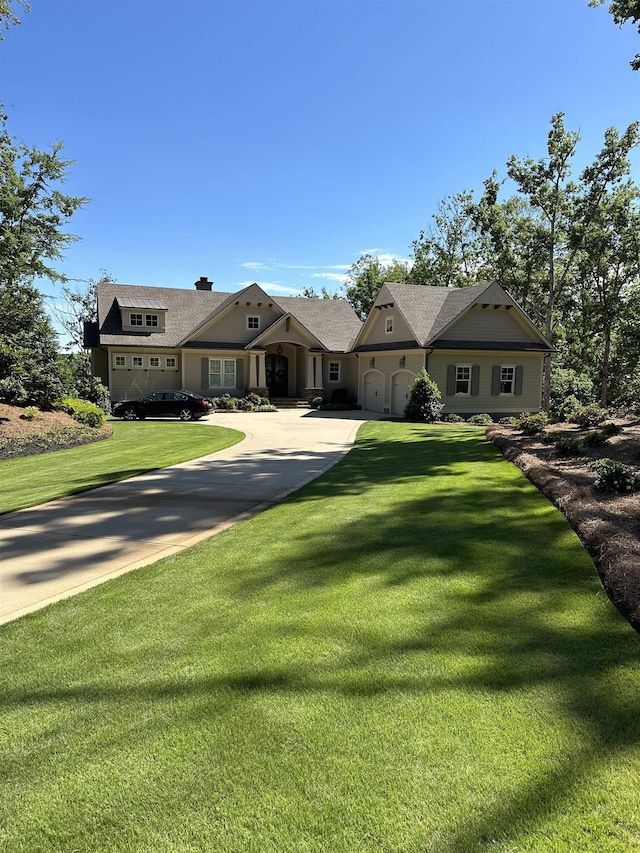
[(451, 380), (239, 373), (519, 373), (204, 373), (475, 380), (495, 380)]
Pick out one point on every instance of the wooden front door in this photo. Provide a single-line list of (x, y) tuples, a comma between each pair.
[(277, 369)]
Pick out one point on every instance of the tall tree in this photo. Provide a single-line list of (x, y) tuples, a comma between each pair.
[(366, 277), (563, 211), (623, 11), (33, 210), (450, 252)]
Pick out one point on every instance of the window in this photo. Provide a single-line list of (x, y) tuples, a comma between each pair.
[(388, 325), (136, 361), (154, 361), (463, 378), (120, 361), (136, 320), (334, 371), (170, 361), (222, 373), (507, 379), (150, 320), (253, 321)]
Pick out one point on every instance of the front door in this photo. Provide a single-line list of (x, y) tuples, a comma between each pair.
[(277, 370)]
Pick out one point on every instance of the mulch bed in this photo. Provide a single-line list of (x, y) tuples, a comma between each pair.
[(608, 524), (47, 432)]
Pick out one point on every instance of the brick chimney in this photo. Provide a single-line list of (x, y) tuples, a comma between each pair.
[(203, 283)]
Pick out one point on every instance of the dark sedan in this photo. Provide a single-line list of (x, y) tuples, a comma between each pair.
[(164, 404)]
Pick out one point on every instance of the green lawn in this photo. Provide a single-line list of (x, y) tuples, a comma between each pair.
[(410, 654), (135, 447)]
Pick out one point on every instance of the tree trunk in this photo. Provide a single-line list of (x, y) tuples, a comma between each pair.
[(604, 387)]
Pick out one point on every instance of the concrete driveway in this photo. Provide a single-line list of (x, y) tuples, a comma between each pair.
[(57, 549)]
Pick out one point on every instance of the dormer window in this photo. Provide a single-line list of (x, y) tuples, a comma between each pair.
[(135, 320), (388, 325), (151, 320), (253, 322), (142, 315)]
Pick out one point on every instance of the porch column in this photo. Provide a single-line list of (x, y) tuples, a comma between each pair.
[(262, 370), (310, 379), (318, 382), (253, 376)]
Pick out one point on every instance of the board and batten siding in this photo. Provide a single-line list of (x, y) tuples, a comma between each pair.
[(129, 383), (232, 327), (387, 364), (487, 324), (485, 400)]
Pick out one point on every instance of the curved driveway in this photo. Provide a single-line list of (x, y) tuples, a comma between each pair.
[(68, 545)]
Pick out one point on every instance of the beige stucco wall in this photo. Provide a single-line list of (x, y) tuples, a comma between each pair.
[(484, 401), (488, 324), (387, 364), (232, 327)]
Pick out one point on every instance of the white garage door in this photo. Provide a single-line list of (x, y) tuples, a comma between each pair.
[(374, 392), (400, 385)]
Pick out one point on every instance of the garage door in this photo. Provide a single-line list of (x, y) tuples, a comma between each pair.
[(374, 392), (400, 385)]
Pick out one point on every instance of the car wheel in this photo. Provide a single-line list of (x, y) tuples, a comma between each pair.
[(186, 415), (129, 414)]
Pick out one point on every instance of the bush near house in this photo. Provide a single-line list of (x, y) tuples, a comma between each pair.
[(82, 411), (425, 401)]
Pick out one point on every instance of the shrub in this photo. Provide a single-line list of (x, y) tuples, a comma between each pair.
[(566, 409), (226, 402), (610, 429), (244, 404), (83, 411), (265, 408), (532, 424), (567, 446), (255, 400), (589, 416), (452, 418), (568, 384), (480, 420), (265, 401), (612, 476), (316, 402), (549, 438), (31, 413), (507, 421), (425, 401), (594, 438)]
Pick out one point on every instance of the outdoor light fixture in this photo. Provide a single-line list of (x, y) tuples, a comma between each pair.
[(401, 362), (279, 350)]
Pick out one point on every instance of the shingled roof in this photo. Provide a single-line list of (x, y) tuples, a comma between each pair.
[(332, 321)]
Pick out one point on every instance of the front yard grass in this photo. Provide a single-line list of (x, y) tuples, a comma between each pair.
[(411, 653), (134, 448)]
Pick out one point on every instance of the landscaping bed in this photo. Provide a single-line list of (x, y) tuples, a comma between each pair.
[(22, 436), (608, 523)]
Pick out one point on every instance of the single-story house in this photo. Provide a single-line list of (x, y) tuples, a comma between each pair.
[(478, 345)]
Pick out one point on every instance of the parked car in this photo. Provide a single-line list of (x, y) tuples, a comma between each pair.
[(164, 404)]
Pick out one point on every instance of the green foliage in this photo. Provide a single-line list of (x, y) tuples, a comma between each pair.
[(83, 411), (74, 370), (265, 407), (509, 421), (613, 476), (250, 403), (567, 446), (589, 416), (610, 429), (366, 277), (452, 418), (425, 401), (622, 12), (480, 419), (569, 387), (8, 16), (532, 424), (594, 438), (316, 402), (31, 413)]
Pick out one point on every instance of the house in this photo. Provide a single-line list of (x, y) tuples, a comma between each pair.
[(481, 349)]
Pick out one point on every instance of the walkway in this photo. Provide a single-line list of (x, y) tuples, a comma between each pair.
[(55, 550)]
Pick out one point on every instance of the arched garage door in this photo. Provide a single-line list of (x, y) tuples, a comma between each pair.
[(400, 384), (374, 392)]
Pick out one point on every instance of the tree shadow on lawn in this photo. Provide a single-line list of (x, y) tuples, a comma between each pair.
[(522, 608)]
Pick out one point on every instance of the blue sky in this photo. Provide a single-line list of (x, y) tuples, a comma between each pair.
[(278, 141)]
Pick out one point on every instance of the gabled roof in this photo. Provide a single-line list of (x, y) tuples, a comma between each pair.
[(430, 311), (132, 302), (274, 328), (332, 322)]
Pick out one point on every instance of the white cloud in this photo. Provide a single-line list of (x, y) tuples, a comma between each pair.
[(330, 276), (272, 287), (253, 265)]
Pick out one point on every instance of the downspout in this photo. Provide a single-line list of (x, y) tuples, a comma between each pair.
[(427, 353)]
